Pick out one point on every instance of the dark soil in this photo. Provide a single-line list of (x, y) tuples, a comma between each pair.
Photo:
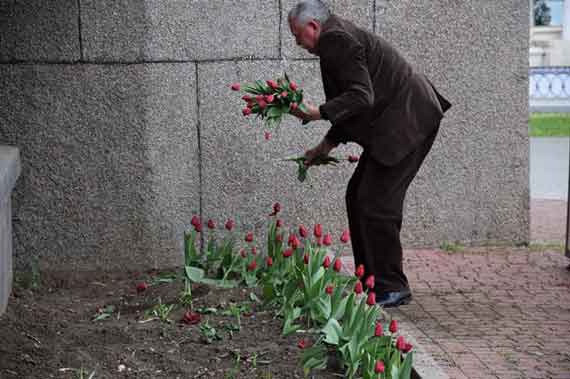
[(49, 332)]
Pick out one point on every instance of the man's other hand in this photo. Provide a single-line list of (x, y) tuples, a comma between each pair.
[(322, 149)]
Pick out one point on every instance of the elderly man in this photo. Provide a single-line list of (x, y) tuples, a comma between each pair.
[(376, 99)]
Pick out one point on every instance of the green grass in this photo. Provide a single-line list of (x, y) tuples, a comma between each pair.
[(549, 125)]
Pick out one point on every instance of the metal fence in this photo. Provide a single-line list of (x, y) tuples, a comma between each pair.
[(549, 83)]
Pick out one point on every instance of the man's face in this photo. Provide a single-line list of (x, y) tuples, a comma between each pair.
[(306, 35)]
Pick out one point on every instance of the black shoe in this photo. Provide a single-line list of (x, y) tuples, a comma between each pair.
[(394, 299)]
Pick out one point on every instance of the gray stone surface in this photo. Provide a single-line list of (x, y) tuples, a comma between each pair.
[(242, 172), (474, 186), (39, 30), (9, 172), (158, 30), (109, 157), (360, 12)]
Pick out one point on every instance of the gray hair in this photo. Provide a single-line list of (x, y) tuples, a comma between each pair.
[(308, 10)]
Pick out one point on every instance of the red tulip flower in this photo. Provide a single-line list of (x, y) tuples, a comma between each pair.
[(246, 111), (191, 318), (329, 289), (379, 367), (141, 287), (318, 231), (230, 225), (379, 330), (195, 221), (279, 223), (236, 87), (337, 265), (252, 265), (359, 271), (267, 136), (358, 288), (293, 86), (327, 240), (370, 282), (211, 224), (249, 237), (306, 259), (288, 253), (353, 158), (371, 300), (345, 237), (302, 344), (294, 106), (269, 261), (393, 326), (273, 84), (327, 262), (303, 232)]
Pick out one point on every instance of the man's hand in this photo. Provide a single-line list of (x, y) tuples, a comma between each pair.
[(322, 149), (312, 113)]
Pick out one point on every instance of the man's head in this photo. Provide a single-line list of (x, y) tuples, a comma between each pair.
[(306, 20)]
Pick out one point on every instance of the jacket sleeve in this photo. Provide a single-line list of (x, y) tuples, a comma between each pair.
[(345, 59)]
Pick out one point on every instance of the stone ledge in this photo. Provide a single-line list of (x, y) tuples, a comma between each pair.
[(9, 172)]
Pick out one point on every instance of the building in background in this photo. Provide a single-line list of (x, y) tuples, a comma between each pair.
[(549, 33), (549, 56)]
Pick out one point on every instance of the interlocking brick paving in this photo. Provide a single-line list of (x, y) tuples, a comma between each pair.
[(548, 220), (490, 312)]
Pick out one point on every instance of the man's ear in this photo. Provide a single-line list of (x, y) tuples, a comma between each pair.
[(315, 25)]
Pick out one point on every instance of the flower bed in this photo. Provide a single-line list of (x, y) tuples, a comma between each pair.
[(240, 308)]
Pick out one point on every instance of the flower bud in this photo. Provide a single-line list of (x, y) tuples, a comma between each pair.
[(211, 224), (269, 98), (230, 224), (249, 237), (288, 253), (393, 326), (262, 104), (327, 240), (269, 261), (246, 111), (294, 106), (195, 221), (306, 258), (303, 232), (236, 87), (293, 86), (329, 289)]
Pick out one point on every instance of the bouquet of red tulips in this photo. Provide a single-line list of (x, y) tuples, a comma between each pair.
[(271, 99)]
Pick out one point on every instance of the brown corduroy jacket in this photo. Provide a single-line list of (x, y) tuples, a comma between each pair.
[(373, 96)]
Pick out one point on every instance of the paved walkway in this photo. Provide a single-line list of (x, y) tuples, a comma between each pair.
[(489, 313), (548, 220)]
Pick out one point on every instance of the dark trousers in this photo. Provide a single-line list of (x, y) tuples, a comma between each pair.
[(375, 202)]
